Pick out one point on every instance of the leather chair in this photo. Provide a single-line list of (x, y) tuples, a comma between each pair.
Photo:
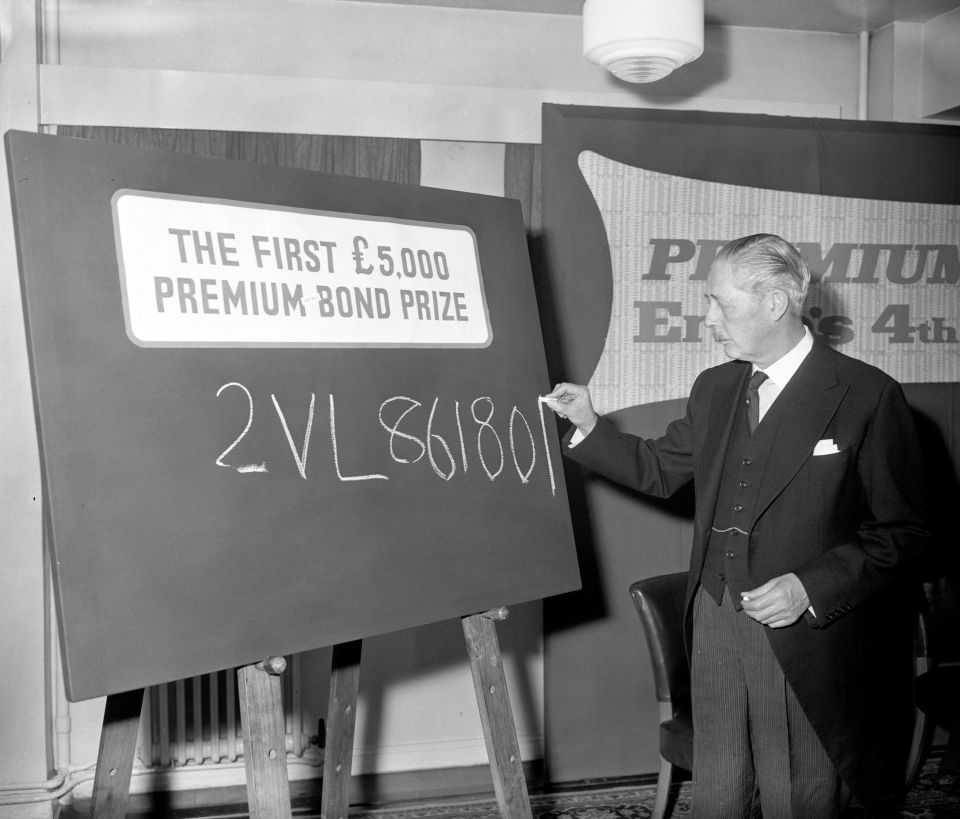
[(659, 601), (923, 724), (937, 683)]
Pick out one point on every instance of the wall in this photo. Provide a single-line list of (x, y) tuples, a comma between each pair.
[(24, 748), (337, 66), (941, 98), (913, 71), (464, 80)]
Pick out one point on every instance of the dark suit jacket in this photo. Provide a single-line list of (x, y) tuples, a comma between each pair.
[(848, 524)]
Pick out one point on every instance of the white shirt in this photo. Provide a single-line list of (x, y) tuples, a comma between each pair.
[(782, 370), (778, 376)]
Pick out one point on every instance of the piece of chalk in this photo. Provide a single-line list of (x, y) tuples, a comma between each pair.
[(544, 398)]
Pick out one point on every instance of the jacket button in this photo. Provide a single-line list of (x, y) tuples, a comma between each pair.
[(738, 508), (731, 555)]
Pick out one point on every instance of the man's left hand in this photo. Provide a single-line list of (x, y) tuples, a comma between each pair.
[(778, 602)]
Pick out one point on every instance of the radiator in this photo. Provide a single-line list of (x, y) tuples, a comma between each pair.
[(197, 720)]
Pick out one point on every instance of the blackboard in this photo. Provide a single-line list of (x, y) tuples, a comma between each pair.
[(236, 468)]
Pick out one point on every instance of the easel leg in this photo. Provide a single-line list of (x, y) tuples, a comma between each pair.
[(496, 716), (341, 722), (264, 739), (118, 743)]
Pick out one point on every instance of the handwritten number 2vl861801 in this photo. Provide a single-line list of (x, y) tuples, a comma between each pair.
[(410, 438)]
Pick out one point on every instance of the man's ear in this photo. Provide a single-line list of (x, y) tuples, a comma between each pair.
[(778, 302)]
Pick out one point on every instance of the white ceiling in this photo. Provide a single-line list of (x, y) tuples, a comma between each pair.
[(841, 16)]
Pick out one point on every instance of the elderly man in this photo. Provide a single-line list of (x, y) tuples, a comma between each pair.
[(806, 471)]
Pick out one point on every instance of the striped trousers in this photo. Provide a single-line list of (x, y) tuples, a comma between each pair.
[(751, 738)]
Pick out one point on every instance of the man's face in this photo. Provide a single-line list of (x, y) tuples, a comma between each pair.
[(740, 320)]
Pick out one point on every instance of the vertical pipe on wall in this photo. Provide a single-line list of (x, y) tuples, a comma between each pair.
[(863, 84), (50, 32), (48, 41), (49, 47), (26, 740), (62, 724)]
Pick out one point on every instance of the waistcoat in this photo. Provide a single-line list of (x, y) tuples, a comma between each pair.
[(744, 463)]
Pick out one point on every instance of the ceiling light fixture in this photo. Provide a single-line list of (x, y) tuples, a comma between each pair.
[(642, 40)]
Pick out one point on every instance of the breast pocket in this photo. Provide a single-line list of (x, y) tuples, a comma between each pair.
[(827, 467), (832, 482)]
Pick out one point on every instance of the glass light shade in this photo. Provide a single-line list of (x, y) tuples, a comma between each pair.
[(642, 40)]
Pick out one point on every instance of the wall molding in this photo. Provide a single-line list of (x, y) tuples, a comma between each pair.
[(161, 98)]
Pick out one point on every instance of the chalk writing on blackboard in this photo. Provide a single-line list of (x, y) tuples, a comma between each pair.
[(215, 273), (244, 468), (375, 476), (409, 438), (301, 456)]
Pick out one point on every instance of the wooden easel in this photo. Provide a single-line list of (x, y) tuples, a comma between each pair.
[(261, 718)]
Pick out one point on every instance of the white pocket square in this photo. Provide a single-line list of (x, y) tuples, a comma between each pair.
[(826, 447)]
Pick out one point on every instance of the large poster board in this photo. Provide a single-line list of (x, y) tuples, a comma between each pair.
[(636, 203), (277, 409)]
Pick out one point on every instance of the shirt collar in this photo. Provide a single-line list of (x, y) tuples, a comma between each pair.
[(782, 370)]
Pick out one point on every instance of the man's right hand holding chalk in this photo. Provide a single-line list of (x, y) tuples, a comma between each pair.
[(572, 401)]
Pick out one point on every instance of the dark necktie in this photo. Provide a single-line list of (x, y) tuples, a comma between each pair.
[(753, 399)]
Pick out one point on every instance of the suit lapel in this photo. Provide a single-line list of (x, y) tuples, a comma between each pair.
[(803, 411)]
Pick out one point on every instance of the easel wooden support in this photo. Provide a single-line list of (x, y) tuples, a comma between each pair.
[(264, 739), (264, 745), (118, 742), (262, 722), (341, 722), (496, 715)]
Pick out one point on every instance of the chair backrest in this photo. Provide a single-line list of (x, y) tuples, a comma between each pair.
[(660, 604), (942, 613)]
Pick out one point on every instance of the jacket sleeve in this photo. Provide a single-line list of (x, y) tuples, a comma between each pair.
[(891, 533), (657, 467)]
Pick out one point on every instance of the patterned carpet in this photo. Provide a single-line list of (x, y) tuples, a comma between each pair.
[(932, 797)]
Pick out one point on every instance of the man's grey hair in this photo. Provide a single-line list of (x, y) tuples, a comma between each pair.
[(765, 261)]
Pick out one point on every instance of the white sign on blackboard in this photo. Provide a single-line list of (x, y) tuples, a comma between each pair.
[(215, 273)]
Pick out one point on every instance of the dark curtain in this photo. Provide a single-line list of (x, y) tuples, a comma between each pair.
[(522, 181), (385, 159)]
